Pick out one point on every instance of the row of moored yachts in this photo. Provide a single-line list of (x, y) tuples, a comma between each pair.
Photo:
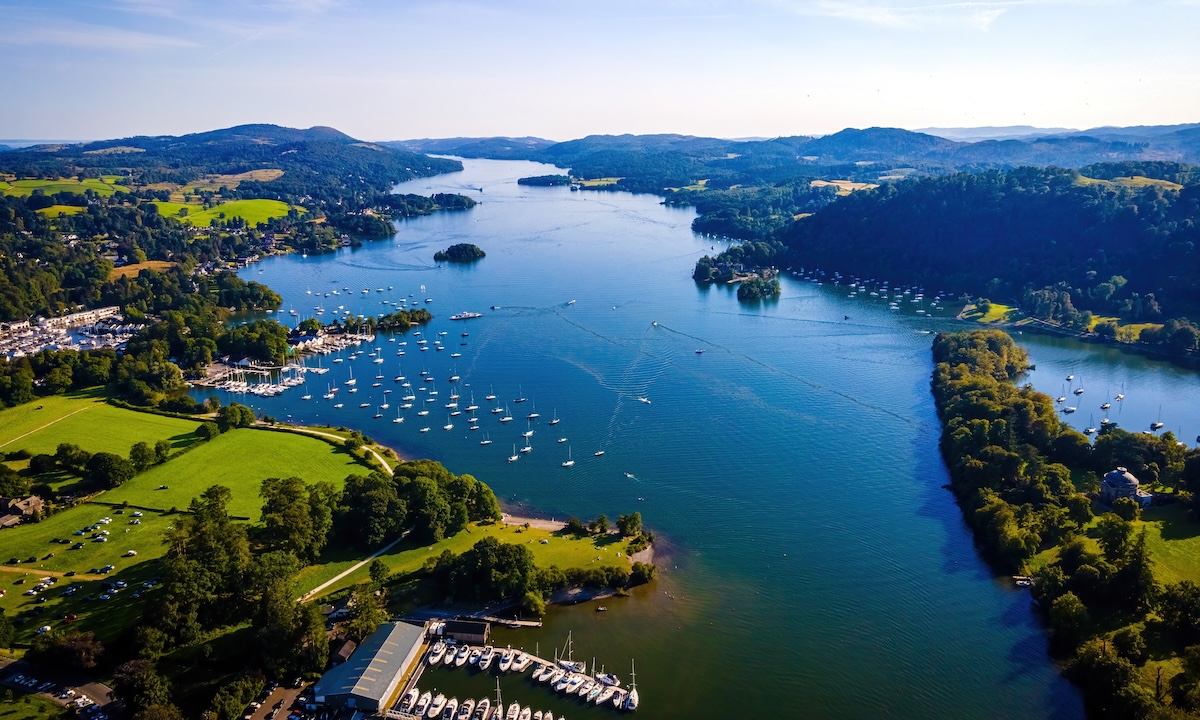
[(565, 676)]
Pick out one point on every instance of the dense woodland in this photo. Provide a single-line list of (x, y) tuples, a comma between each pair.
[(1026, 483)]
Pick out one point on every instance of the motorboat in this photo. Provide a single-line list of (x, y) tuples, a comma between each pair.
[(409, 700), (585, 687), (513, 713), (451, 654), (423, 704), (482, 710), (451, 709), (608, 679), (461, 658), (526, 714), (437, 652), (473, 658), (435, 707), (606, 694), (464, 710), (506, 659), (485, 659)]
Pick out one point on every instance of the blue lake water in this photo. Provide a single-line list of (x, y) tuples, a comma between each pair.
[(811, 562)]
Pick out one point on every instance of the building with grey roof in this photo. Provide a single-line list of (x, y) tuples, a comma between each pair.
[(1121, 483), (368, 679)]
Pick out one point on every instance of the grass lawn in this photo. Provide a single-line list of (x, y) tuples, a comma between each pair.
[(996, 313), (1174, 542), (25, 188), (85, 419), (599, 182), (55, 210), (37, 540), (240, 460), (133, 269), (562, 550), (1136, 181), (844, 187), (1125, 333), (252, 211), (30, 707)]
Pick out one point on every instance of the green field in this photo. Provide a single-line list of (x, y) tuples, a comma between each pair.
[(252, 211), (239, 460), (24, 188), (86, 420), (30, 707), (996, 313), (1125, 332), (1135, 182), (561, 550), (55, 210)]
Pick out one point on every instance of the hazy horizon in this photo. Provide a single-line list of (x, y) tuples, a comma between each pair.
[(719, 68)]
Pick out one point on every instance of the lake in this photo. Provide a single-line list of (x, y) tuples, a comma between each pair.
[(810, 561)]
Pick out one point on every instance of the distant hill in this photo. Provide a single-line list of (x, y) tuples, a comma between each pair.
[(313, 157), (1004, 132), (496, 148)]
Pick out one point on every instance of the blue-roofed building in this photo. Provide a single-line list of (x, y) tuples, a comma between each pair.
[(369, 678)]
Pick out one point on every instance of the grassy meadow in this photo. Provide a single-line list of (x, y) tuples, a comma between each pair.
[(252, 211), (996, 313), (1135, 182), (240, 460), (56, 210), (844, 187), (24, 188), (133, 269), (562, 550), (86, 420)]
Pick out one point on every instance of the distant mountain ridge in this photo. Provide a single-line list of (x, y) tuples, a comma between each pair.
[(680, 158)]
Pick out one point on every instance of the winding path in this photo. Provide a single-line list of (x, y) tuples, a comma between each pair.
[(312, 593), (307, 431)]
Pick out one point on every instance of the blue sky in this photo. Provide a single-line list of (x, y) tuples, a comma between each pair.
[(75, 69)]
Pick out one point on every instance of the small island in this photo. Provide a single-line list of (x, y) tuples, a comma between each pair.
[(460, 253), (545, 180), (758, 287)]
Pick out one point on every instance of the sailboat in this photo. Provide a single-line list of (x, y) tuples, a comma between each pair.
[(449, 425), (568, 462), (307, 395), (351, 381), (528, 446), (399, 417), (1121, 395), (534, 415), (520, 395), (328, 392), (486, 440), (555, 420), (1157, 424), (1091, 428), (491, 394), (631, 700), (514, 457), (506, 417)]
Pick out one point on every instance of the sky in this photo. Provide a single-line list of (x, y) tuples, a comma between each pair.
[(562, 69)]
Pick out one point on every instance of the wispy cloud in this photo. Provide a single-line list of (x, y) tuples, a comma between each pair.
[(977, 14), (93, 37)]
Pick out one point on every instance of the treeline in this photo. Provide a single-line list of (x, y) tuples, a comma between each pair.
[(1025, 483), (752, 213)]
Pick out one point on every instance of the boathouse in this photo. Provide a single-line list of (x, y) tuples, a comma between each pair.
[(471, 632), (369, 678)]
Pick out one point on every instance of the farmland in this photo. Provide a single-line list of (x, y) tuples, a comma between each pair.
[(23, 188), (133, 269)]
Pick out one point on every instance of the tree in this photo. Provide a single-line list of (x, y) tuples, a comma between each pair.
[(78, 651), (72, 457), (641, 573), (109, 470), (1068, 618), (1179, 606), (600, 525), (7, 631), (142, 456), (162, 451), (234, 415), (533, 603), (1126, 509), (1113, 535), (13, 484), (630, 525), (378, 571), (159, 712), (371, 510), (139, 684), (208, 430), (1134, 583), (1129, 644), (367, 614)]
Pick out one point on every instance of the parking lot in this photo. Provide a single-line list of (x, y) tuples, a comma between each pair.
[(91, 700), (279, 703)]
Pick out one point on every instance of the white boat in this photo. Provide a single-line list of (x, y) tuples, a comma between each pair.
[(555, 420), (574, 684), (435, 707), (644, 399), (514, 457), (482, 710), (506, 659), (526, 714), (514, 712), (466, 315), (437, 652), (464, 710), (608, 679), (351, 381), (409, 700), (568, 462), (556, 677), (506, 417), (631, 700), (486, 440), (521, 662), (528, 448), (423, 704), (491, 394), (463, 654), (562, 440), (585, 687), (473, 658), (485, 659), (598, 453), (605, 695), (451, 709)]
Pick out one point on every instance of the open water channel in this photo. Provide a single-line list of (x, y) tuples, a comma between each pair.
[(811, 564)]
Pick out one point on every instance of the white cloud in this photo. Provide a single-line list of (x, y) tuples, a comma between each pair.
[(977, 14)]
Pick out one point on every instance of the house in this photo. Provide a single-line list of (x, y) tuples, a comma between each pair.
[(13, 511), (342, 652), (370, 676), (1121, 483)]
